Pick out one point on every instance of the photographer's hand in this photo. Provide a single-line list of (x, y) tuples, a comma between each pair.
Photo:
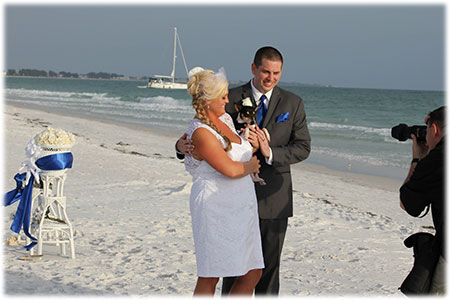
[(419, 149)]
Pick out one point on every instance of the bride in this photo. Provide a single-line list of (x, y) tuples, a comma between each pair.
[(223, 201)]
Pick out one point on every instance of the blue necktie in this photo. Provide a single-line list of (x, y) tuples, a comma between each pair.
[(261, 111)]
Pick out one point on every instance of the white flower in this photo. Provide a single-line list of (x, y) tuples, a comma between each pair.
[(56, 137), (247, 102)]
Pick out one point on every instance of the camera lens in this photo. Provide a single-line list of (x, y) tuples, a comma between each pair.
[(400, 132)]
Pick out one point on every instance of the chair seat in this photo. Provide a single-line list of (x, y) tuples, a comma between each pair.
[(51, 225)]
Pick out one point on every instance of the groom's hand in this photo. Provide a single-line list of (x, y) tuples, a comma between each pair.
[(184, 145), (263, 141)]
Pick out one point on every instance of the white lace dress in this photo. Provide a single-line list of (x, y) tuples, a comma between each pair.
[(224, 214)]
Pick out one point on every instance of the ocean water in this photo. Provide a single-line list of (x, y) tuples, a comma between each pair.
[(350, 128)]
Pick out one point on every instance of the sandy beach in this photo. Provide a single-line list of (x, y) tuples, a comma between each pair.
[(128, 200)]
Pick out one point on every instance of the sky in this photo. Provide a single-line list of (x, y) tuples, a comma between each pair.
[(346, 45)]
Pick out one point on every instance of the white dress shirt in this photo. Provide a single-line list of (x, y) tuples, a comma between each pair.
[(257, 95)]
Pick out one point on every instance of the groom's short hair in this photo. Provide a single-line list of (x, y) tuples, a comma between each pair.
[(269, 53)]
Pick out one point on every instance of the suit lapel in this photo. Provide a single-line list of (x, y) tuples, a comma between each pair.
[(274, 99)]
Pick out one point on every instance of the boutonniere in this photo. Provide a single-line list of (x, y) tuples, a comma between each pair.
[(247, 102), (283, 118)]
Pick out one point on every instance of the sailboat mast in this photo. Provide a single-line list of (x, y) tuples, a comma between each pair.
[(182, 55), (174, 53)]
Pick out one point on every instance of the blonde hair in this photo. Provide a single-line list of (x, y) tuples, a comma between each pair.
[(205, 86)]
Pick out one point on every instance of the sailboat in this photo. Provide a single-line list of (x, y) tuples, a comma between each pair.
[(168, 82)]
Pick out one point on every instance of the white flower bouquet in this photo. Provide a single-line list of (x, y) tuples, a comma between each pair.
[(54, 139)]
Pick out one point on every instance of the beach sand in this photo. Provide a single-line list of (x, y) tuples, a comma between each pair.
[(128, 200)]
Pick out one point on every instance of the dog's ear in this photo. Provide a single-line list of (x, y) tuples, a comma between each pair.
[(237, 107)]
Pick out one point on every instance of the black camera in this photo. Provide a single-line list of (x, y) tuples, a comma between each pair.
[(402, 132)]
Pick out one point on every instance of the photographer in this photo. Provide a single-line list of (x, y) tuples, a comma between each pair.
[(424, 186)]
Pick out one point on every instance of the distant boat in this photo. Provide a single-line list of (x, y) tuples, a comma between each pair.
[(168, 82)]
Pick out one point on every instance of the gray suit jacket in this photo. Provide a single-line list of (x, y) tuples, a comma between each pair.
[(290, 143)]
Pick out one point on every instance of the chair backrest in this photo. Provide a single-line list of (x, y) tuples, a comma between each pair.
[(53, 183)]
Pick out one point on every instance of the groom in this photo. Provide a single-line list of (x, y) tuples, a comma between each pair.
[(284, 117)]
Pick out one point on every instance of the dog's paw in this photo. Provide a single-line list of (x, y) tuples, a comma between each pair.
[(255, 177)]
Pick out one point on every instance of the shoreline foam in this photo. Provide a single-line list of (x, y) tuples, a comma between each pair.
[(320, 160)]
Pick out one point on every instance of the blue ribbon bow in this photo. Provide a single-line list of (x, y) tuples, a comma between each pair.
[(54, 162), (58, 161), (22, 217)]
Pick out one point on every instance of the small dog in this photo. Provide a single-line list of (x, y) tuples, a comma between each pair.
[(247, 115)]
